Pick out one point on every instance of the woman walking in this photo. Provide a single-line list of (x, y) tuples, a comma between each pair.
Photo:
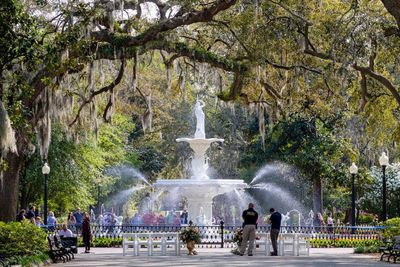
[(86, 234)]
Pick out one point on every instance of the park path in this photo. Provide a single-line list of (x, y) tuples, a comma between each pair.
[(341, 257)]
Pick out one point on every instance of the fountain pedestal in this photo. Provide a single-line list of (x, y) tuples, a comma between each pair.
[(199, 189)]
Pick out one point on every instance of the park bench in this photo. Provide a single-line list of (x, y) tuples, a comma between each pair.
[(386, 249), (395, 252), (303, 244), (57, 253), (154, 243), (391, 250), (67, 250), (288, 244), (70, 242)]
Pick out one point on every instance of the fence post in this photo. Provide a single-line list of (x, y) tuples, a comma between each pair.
[(222, 233)]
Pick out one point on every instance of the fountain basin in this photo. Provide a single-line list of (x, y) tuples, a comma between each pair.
[(199, 161), (200, 194)]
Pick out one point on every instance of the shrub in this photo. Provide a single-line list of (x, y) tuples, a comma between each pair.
[(392, 228), (21, 239), (366, 218), (366, 249), (359, 249), (103, 242), (190, 233), (343, 242), (28, 261)]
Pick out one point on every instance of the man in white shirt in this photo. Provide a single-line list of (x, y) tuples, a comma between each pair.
[(65, 232)]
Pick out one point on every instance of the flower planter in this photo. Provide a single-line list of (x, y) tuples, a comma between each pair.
[(190, 247)]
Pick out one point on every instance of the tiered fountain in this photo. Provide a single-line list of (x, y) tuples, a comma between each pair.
[(199, 189)]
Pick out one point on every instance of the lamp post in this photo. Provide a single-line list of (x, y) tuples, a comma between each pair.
[(45, 171), (353, 171), (384, 161)]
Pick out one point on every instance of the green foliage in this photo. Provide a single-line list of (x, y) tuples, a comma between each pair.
[(28, 261), (309, 144), (366, 249), (268, 37), (190, 233), (366, 218), (21, 239), (78, 169), (392, 228), (371, 198), (103, 242), (343, 242)]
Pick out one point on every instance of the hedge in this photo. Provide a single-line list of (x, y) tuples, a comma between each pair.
[(21, 239)]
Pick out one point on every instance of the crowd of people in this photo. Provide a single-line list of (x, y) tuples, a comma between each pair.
[(151, 218), (78, 221), (33, 215)]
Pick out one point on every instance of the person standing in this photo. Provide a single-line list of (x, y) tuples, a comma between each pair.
[(21, 216), (31, 213), (86, 233), (51, 221), (78, 219), (330, 223), (78, 216), (275, 221), (184, 217), (250, 217)]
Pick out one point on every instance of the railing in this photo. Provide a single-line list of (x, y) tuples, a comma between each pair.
[(221, 235)]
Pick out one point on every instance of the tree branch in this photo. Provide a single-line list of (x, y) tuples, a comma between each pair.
[(125, 40), (100, 91), (381, 79), (106, 51), (271, 90), (393, 7), (291, 67), (312, 51), (235, 89)]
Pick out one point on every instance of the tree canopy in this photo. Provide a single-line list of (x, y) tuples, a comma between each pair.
[(69, 67)]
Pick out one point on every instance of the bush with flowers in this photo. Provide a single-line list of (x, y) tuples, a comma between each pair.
[(339, 242), (190, 233), (238, 236), (237, 239)]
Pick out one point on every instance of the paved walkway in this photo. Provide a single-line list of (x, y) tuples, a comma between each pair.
[(343, 257)]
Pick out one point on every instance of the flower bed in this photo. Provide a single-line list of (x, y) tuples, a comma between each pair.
[(350, 242), (103, 242)]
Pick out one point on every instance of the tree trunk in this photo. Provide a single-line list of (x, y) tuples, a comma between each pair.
[(24, 189), (317, 196), (9, 187)]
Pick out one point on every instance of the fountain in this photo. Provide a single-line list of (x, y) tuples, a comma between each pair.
[(199, 189)]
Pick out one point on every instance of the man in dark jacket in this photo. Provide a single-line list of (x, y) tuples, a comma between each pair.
[(31, 213), (250, 217), (275, 221)]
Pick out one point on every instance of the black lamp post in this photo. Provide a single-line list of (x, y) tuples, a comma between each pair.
[(353, 171), (384, 161), (45, 171)]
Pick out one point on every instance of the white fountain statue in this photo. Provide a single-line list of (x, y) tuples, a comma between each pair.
[(200, 189), (199, 144), (200, 131)]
